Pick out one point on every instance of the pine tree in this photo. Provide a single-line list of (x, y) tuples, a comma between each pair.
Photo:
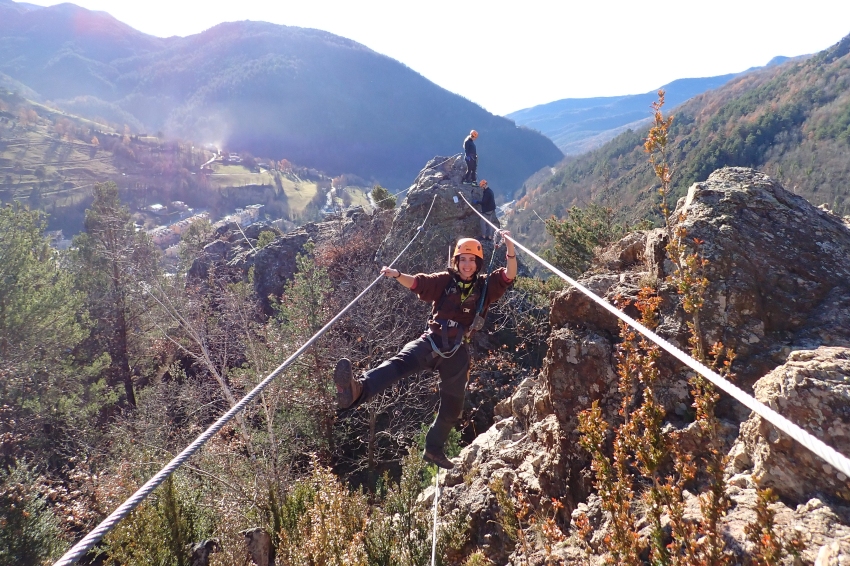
[(42, 390), (113, 263)]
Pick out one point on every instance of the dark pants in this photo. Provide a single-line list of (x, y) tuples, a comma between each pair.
[(417, 356), (471, 166), (486, 230)]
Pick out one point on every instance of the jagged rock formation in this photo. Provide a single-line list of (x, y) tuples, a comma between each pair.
[(812, 389), (778, 271), (234, 254), (438, 183)]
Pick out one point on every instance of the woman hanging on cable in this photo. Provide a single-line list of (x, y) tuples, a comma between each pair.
[(459, 297)]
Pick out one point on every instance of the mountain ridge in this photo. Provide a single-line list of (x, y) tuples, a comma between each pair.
[(577, 125), (306, 95), (791, 121)]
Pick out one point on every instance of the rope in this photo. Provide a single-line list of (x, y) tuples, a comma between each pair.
[(414, 184), (244, 236), (818, 447), (436, 503), (82, 547)]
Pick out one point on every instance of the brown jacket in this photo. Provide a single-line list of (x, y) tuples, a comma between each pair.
[(433, 286)]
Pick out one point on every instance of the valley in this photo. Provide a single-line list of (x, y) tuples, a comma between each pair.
[(218, 254)]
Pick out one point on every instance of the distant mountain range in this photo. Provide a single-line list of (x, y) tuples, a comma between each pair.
[(275, 91), (791, 121), (578, 125)]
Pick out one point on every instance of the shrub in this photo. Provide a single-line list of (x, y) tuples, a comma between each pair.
[(266, 237), (29, 533), (160, 530), (580, 235), (382, 198)]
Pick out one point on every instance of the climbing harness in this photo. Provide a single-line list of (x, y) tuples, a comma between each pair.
[(446, 323), (828, 454), (83, 546), (480, 317), (477, 322)]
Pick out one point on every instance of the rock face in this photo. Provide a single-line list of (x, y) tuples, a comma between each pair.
[(234, 254), (778, 271), (439, 183), (811, 389), (779, 268)]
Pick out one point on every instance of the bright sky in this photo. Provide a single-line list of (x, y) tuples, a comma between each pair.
[(507, 56)]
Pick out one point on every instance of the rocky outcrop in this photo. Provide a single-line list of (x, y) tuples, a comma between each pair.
[(200, 552), (778, 271), (779, 268), (812, 389), (439, 183), (234, 252), (259, 546)]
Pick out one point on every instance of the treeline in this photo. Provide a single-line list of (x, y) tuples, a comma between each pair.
[(108, 367)]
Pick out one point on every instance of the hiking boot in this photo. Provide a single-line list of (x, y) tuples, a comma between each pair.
[(348, 389), (437, 458)]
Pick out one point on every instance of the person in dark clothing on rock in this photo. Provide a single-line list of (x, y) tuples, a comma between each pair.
[(488, 209), (454, 295), (471, 157)]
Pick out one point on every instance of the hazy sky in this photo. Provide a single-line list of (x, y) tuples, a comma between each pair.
[(507, 56)]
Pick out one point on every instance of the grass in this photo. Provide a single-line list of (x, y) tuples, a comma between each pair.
[(237, 176), (359, 196), (298, 192), (64, 162)]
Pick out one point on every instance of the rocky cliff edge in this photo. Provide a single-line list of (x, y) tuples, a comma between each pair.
[(779, 295)]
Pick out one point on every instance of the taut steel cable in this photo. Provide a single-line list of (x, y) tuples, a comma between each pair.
[(828, 454), (83, 546)]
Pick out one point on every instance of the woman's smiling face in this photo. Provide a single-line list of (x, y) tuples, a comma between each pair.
[(466, 266)]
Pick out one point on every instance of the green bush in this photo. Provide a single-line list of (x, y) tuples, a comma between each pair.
[(29, 533), (580, 235), (160, 530), (266, 237), (382, 198)]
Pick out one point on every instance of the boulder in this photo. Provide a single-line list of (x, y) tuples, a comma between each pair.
[(200, 552), (259, 547), (778, 276), (274, 264), (779, 268), (812, 389)]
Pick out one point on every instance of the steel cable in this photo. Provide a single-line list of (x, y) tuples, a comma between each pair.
[(436, 504), (83, 546), (828, 454)]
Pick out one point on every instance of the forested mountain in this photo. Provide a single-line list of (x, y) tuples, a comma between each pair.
[(305, 95), (791, 121), (577, 125)]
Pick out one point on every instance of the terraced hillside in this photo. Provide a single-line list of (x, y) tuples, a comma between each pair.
[(50, 160)]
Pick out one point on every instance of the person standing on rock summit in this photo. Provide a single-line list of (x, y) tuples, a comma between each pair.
[(471, 157), (454, 295)]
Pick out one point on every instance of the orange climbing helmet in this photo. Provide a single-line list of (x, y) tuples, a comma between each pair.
[(483, 183), (473, 134), (469, 246)]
